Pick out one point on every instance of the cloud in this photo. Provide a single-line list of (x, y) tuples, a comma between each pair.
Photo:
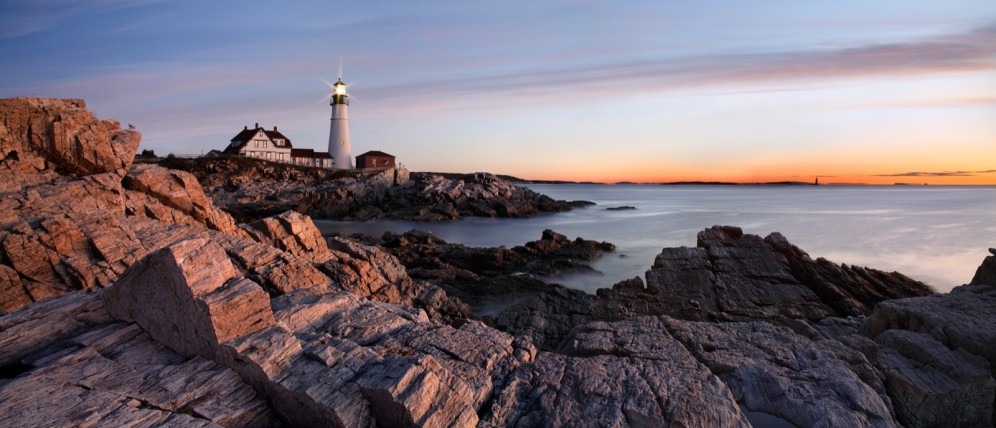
[(25, 17), (134, 25), (975, 101), (938, 174), (965, 52)]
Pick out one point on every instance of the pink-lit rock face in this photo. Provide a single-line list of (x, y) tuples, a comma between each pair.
[(181, 191), (62, 135)]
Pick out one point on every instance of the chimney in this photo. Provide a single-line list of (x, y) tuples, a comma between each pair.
[(246, 128), (274, 128), (257, 125)]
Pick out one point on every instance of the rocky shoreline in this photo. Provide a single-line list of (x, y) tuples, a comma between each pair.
[(128, 297), (251, 189)]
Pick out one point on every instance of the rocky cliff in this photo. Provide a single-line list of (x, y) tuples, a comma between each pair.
[(131, 299)]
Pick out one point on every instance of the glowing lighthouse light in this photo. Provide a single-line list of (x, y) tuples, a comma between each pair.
[(339, 129)]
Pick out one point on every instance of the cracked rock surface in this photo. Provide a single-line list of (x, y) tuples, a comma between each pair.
[(127, 298)]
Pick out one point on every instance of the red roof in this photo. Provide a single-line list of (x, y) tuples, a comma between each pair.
[(274, 135), (377, 154), (322, 155)]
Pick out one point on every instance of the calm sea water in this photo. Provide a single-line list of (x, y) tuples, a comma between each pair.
[(938, 235)]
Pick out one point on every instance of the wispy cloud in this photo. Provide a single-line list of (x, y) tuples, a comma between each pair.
[(971, 51), (970, 101), (938, 174), (25, 17), (134, 25)]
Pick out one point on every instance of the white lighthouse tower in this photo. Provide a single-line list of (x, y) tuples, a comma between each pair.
[(339, 130)]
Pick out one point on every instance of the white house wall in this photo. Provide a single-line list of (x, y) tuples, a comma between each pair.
[(262, 147)]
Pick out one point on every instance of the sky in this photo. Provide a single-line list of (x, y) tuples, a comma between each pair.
[(885, 91)]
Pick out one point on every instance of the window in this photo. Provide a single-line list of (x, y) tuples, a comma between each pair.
[(257, 143), (280, 156), (264, 144)]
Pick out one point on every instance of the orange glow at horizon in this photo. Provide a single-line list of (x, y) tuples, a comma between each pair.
[(827, 174)]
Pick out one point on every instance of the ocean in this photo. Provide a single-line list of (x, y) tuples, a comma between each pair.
[(935, 234)]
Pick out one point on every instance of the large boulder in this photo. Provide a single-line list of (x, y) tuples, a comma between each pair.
[(320, 357), (630, 373), (292, 232), (777, 371), (932, 385), (181, 191), (65, 362), (61, 135), (986, 273), (939, 355)]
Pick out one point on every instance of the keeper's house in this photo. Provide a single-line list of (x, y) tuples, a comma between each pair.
[(375, 160), (273, 146)]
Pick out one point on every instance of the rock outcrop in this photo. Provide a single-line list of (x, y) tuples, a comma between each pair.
[(484, 278), (181, 191), (251, 189), (939, 355), (144, 304), (66, 362), (986, 273), (632, 373), (40, 138), (81, 231), (729, 276), (375, 363)]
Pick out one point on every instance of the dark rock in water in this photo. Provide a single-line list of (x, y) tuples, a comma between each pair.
[(621, 208), (486, 277), (730, 276), (580, 204), (986, 273)]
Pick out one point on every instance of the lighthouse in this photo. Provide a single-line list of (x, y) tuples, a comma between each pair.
[(339, 130)]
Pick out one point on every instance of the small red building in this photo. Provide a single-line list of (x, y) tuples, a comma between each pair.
[(374, 159)]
